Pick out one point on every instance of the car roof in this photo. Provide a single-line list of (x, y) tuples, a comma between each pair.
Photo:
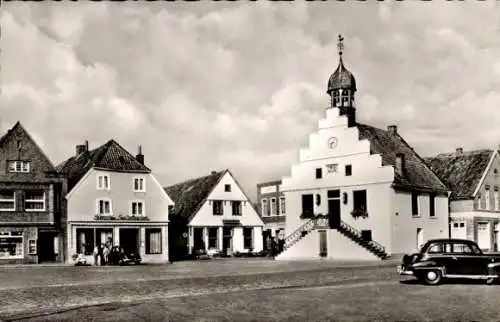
[(440, 240)]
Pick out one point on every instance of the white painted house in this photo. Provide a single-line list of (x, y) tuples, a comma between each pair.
[(474, 179), (213, 214), (114, 199), (357, 191)]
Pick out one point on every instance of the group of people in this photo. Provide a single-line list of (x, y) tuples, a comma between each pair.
[(274, 247), (101, 254)]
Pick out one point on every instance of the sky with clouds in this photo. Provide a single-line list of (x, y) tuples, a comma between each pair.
[(210, 85)]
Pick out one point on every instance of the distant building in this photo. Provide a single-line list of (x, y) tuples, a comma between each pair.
[(272, 209), (115, 199), (357, 191), (474, 180), (213, 214), (31, 211)]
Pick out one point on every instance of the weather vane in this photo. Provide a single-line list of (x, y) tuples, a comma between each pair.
[(340, 45)]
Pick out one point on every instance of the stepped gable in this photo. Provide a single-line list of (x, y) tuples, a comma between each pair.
[(461, 172), (109, 156), (190, 195), (417, 175)]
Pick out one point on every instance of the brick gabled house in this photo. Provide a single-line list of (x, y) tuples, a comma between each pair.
[(474, 180), (32, 216)]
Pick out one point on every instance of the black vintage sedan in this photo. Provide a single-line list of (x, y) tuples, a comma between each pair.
[(441, 259)]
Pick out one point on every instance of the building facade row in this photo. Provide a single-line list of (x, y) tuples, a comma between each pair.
[(107, 196)]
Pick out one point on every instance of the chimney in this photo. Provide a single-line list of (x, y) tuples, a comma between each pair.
[(139, 157), (86, 145), (213, 172), (399, 165), (460, 150), (80, 148), (392, 129)]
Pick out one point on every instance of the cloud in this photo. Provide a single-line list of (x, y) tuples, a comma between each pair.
[(242, 85)]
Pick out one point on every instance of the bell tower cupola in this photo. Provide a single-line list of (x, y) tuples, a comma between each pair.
[(341, 88)]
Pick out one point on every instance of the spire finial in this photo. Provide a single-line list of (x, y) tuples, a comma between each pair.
[(340, 45)]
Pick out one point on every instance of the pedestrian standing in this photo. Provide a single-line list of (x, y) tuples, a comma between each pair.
[(269, 246), (106, 254), (101, 254), (96, 255), (273, 248)]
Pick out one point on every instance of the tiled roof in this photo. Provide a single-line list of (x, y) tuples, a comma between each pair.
[(417, 175), (461, 172), (190, 195), (110, 156)]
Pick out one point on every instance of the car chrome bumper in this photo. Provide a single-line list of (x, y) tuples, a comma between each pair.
[(402, 271)]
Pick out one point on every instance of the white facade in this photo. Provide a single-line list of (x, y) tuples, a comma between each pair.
[(88, 225), (247, 220), (333, 147)]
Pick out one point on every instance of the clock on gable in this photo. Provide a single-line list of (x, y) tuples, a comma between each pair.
[(332, 142)]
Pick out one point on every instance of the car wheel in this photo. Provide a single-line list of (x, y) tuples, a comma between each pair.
[(433, 277)]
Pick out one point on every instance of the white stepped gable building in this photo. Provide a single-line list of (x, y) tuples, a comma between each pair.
[(359, 192)]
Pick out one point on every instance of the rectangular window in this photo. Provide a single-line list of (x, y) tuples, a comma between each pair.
[(348, 170), (332, 168), (19, 166), (414, 203), (497, 200), (359, 200), (212, 237), (32, 247), (7, 200), (247, 237), (103, 182), (319, 173), (487, 198), (273, 206), (227, 188), (137, 208), (103, 207), (282, 205), (265, 208), (236, 205), (85, 241), (153, 240), (11, 244), (308, 204), (34, 200), (333, 194), (217, 208), (139, 185), (432, 205)]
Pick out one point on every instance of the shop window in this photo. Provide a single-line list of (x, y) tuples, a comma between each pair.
[(11, 244), (153, 240), (32, 247), (85, 241), (282, 205)]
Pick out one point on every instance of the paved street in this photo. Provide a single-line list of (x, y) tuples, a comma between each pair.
[(243, 290)]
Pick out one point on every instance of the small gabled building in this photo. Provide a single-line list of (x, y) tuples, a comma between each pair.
[(474, 180), (213, 214), (115, 199), (31, 210)]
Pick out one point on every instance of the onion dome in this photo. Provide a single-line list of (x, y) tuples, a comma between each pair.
[(341, 79)]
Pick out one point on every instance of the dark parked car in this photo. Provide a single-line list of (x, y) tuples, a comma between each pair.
[(442, 259), (119, 256)]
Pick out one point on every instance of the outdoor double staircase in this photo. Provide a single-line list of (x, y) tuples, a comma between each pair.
[(345, 229)]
